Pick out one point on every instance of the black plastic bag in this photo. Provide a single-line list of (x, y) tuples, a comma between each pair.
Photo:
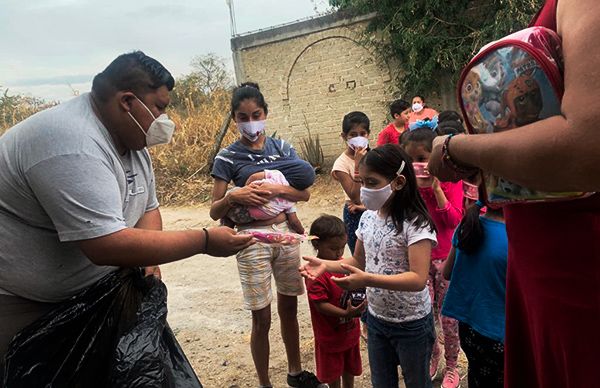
[(113, 334)]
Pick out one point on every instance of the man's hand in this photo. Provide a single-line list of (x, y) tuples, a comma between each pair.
[(153, 271), (224, 241)]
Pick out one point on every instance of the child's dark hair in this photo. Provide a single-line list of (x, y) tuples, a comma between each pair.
[(420, 96), (470, 232), (353, 119), (422, 136), (398, 106), (449, 127), (248, 91), (450, 122), (449, 115), (326, 227), (407, 204)]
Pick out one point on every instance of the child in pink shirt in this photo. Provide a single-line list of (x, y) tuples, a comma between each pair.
[(445, 206)]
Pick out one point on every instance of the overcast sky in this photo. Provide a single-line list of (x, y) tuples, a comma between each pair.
[(45, 45)]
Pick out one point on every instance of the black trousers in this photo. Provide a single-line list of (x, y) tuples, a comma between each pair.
[(486, 358)]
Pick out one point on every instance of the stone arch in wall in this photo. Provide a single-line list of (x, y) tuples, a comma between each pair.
[(330, 77)]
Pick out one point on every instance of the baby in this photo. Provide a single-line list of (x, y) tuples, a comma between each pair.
[(240, 215)]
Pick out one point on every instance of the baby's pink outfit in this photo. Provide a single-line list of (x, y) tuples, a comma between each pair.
[(275, 206)]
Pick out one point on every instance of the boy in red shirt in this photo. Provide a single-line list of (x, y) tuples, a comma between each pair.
[(399, 111), (336, 327)]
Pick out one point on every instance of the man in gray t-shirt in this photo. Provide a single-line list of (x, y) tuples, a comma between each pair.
[(78, 198)]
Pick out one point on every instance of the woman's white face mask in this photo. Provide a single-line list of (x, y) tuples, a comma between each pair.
[(160, 130), (251, 130)]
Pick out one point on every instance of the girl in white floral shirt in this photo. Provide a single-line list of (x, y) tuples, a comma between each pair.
[(391, 259)]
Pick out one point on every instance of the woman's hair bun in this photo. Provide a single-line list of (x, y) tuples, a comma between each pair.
[(250, 85)]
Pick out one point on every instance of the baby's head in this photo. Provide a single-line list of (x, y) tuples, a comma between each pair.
[(332, 237)]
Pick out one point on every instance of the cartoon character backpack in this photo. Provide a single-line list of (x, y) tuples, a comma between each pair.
[(512, 82)]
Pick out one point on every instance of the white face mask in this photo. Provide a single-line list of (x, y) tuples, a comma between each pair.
[(374, 199), (358, 142), (160, 131), (416, 107), (252, 130)]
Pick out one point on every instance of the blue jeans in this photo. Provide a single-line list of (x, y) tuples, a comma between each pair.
[(408, 344), (351, 220)]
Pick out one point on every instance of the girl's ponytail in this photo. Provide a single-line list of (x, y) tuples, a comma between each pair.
[(470, 231)]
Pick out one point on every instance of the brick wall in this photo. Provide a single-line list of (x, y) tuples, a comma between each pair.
[(312, 73)]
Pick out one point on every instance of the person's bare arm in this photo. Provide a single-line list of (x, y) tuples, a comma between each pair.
[(295, 223), (331, 310), (315, 267), (285, 192), (350, 186), (449, 264), (560, 153), (245, 196), (151, 220), (415, 279), (133, 247)]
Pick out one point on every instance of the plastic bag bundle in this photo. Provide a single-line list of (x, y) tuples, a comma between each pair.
[(112, 334)]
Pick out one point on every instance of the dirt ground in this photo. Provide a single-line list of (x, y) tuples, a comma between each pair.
[(205, 306)]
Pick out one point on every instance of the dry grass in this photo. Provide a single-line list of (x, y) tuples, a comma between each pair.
[(178, 166), (15, 108)]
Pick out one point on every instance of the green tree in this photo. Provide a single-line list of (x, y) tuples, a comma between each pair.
[(431, 39)]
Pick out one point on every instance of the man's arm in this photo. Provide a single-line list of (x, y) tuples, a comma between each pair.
[(134, 247), (561, 153), (151, 220)]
